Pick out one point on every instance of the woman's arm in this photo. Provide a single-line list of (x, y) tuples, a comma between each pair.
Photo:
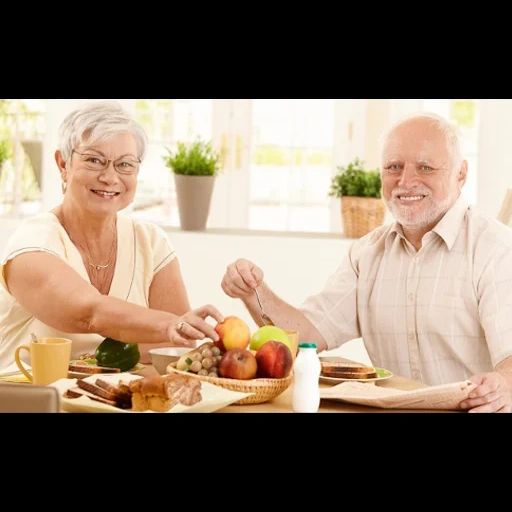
[(166, 293), (56, 295)]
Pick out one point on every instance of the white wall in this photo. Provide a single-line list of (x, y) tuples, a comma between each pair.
[(494, 173), (294, 267)]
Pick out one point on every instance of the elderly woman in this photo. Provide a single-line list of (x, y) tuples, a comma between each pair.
[(82, 271)]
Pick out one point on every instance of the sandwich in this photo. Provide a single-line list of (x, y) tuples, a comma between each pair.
[(347, 370)]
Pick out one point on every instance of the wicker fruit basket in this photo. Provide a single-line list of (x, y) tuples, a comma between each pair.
[(263, 389), (361, 215)]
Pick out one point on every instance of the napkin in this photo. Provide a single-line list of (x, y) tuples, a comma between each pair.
[(13, 374), (13, 369), (442, 397), (14, 378)]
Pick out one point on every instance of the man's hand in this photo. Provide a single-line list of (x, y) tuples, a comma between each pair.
[(241, 278), (490, 395)]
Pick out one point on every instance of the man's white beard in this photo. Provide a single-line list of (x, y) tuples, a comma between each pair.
[(429, 215)]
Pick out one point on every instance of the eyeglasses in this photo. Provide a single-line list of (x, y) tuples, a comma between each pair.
[(99, 163)]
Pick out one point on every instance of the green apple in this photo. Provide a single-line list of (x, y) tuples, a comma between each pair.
[(268, 333)]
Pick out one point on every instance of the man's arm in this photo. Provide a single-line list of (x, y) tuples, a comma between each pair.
[(239, 282), (283, 315), (505, 368)]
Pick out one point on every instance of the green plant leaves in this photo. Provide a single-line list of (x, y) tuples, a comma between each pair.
[(354, 180), (195, 159), (5, 151)]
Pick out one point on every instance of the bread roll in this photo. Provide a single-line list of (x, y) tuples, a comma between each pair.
[(160, 393)]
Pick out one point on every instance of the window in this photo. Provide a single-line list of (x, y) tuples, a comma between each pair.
[(465, 114), (281, 154), (291, 164), (166, 122), (22, 129)]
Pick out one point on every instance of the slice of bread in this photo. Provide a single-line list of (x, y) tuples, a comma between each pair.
[(347, 370), (347, 376), (91, 369), (121, 394), (78, 392), (103, 393)]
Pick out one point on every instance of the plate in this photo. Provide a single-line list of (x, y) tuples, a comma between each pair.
[(382, 373), (214, 397), (81, 375)]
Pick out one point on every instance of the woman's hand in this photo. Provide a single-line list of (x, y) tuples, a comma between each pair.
[(192, 326), (241, 278)]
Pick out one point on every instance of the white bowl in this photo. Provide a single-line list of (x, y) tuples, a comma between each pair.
[(161, 357)]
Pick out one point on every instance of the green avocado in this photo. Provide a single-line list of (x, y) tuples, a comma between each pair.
[(117, 354)]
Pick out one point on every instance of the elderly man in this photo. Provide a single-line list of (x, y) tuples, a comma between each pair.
[(430, 294)]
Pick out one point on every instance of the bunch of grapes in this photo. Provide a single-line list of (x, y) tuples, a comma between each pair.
[(203, 362)]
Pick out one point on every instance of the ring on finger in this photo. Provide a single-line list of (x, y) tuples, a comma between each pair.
[(180, 327)]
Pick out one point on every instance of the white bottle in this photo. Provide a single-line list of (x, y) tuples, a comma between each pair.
[(307, 368)]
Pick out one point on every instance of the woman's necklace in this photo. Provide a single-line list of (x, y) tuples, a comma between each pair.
[(95, 265), (99, 284), (102, 275), (85, 248)]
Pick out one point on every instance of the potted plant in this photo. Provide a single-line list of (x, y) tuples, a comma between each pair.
[(195, 166), (5, 153), (359, 191)]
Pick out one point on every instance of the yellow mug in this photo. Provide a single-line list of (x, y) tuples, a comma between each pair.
[(293, 336), (49, 360)]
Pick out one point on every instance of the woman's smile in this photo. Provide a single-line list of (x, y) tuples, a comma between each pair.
[(105, 194)]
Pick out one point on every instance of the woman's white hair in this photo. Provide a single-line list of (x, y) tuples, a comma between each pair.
[(96, 122), (448, 129)]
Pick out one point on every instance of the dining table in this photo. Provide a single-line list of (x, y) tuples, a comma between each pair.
[(283, 402)]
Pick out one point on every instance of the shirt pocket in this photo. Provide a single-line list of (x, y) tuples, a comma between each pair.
[(454, 316)]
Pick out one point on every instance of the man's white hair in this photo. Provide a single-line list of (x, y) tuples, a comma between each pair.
[(450, 130)]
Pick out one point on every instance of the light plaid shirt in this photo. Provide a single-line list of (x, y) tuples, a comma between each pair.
[(437, 315)]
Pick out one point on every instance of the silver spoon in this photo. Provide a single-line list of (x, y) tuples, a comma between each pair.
[(34, 337), (266, 319)]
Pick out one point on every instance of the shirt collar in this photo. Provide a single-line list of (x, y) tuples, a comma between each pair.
[(447, 228)]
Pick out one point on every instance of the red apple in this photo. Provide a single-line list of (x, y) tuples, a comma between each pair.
[(233, 333), (274, 360), (238, 364)]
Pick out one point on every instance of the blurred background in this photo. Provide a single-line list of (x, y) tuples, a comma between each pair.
[(270, 201)]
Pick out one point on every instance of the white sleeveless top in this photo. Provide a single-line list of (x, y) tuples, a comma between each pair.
[(143, 249)]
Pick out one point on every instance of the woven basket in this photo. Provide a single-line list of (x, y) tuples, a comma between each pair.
[(263, 389), (361, 215)]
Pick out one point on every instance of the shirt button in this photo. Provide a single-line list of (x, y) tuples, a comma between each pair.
[(416, 260), (411, 297), (411, 336)]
